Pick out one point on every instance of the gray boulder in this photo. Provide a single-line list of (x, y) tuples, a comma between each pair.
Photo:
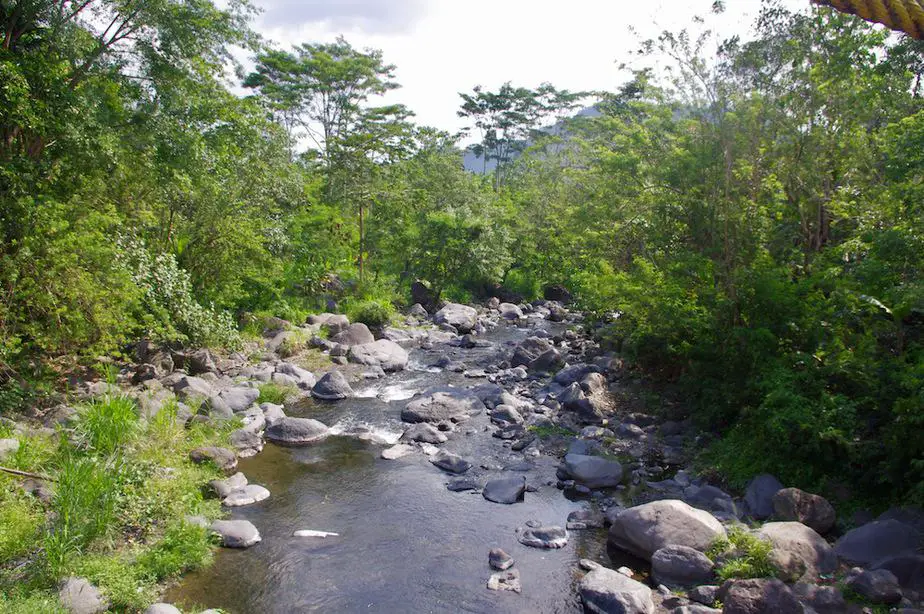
[(505, 414), (224, 487), (200, 361), (450, 462), (509, 311), (441, 404), (272, 412), (424, 432), (246, 495), (811, 510), (907, 568), (593, 471), (78, 596), (382, 353), (354, 334), (296, 431), (759, 495), (224, 459), (680, 566), (822, 599), (605, 591), (758, 596), (239, 398), (528, 351), (333, 386), (500, 560), (236, 533), (461, 317), (162, 608), (575, 373), (876, 585), (418, 311), (796, 544), (505, 490), (877, 540), (645, 529), (8, 447), (188, 387), (306, 379)]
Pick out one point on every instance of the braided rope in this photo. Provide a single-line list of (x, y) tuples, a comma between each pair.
[(904, 15)]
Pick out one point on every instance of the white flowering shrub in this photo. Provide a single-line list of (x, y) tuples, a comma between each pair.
[(171, 311)]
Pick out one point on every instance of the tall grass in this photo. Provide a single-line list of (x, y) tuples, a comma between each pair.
[(107, 424)]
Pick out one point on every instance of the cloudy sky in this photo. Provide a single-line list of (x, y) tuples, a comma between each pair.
[(443, 47)]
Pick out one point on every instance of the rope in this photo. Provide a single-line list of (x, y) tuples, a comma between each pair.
[(903, 15)]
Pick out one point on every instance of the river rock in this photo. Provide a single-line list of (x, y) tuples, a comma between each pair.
[(239, 398), (162, 608), (822, 599), (593, 471), (418, 311), (505, 414), (425, 432), (443, 404), (758, 596), (799, 544), (246, 495), (876, 585), (397, 451), (500, 560), (224, 487), (354, 334), (296, 431), (236, 533), (908, 568), (505, 581), (8, 447), (306, 379), (333, 386), (580, 520), (452, 463), (382, 353), (509, 311), (587, 410), (528, 351), (461, 317), (704, 594), (575, 373), (551, 536), (680, 566), (877, 540), (78, 596), (272, 412), (759, 495), (200, 361), (189, 387), (644, 529), (811, 510), (548, 362), (604, 591), (505, 490), (224, 459), (462, 484)]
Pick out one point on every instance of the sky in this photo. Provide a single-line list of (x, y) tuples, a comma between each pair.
[(443, 47)]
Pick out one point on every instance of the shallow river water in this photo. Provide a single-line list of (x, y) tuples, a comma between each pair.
[(406, 543)]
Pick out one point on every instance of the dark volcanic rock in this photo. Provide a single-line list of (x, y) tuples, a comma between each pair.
[(505, 490)]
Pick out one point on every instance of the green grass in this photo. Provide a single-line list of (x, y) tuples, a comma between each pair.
[(106, 424), (275, 393), (544, 432), (742, 555)]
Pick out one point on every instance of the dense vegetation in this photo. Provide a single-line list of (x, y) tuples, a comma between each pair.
[(747, 226)]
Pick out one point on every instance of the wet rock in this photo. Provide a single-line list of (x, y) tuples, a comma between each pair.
[(543, 536), (505, 490), (877, 540), (509, 311), (644, 529), (246, 495), (811, 510), (580, 520), (822, 599), (505, 581), (333, 386), (604, 591), (442, 403), (500, 560), (424, 432), (593, 471), (758, 596), (78, 596), (236, 533), (680, 566), (224, 459), (759, 495), (461, 317), (354, 334), (296, 431), (397, 451), (462, 484), (224, 487), (452, 463), (876, 586), (387, 355), (162, 608), (800, 545)]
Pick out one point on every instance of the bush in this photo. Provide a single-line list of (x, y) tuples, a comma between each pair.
[(742, 555), (374, 314)]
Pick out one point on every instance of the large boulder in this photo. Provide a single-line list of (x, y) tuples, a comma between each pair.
[(908, 568), (296, 431), (505, 490), (333, 386), (605, 591), (877, 540), (758, 596), (593, 471), (78, 596), (645, 529), (528, 351), (382, 353), (354, 334), (424, 432), (875, 585), (441, 404), (811, 510), (305, 378), (452, 463), (796, 544), (190, 387), (461, 317), (509, 311), (680, 566), (588, 410), (239, 398), (759, 495)]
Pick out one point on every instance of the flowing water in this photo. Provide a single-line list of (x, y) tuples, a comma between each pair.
[(405, 543)]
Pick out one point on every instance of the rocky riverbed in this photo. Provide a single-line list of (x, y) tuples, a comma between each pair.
[(484, 459)]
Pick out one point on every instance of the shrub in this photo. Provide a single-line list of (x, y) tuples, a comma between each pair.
[(372, 313), (274, 393), (742, 555), (107, 424)]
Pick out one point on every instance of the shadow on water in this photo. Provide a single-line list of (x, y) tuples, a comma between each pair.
[(406, 543)]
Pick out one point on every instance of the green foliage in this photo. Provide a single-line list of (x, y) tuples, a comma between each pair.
[(274, 393), (105, 425), (372, 313), (742, 555), (20, 524)]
